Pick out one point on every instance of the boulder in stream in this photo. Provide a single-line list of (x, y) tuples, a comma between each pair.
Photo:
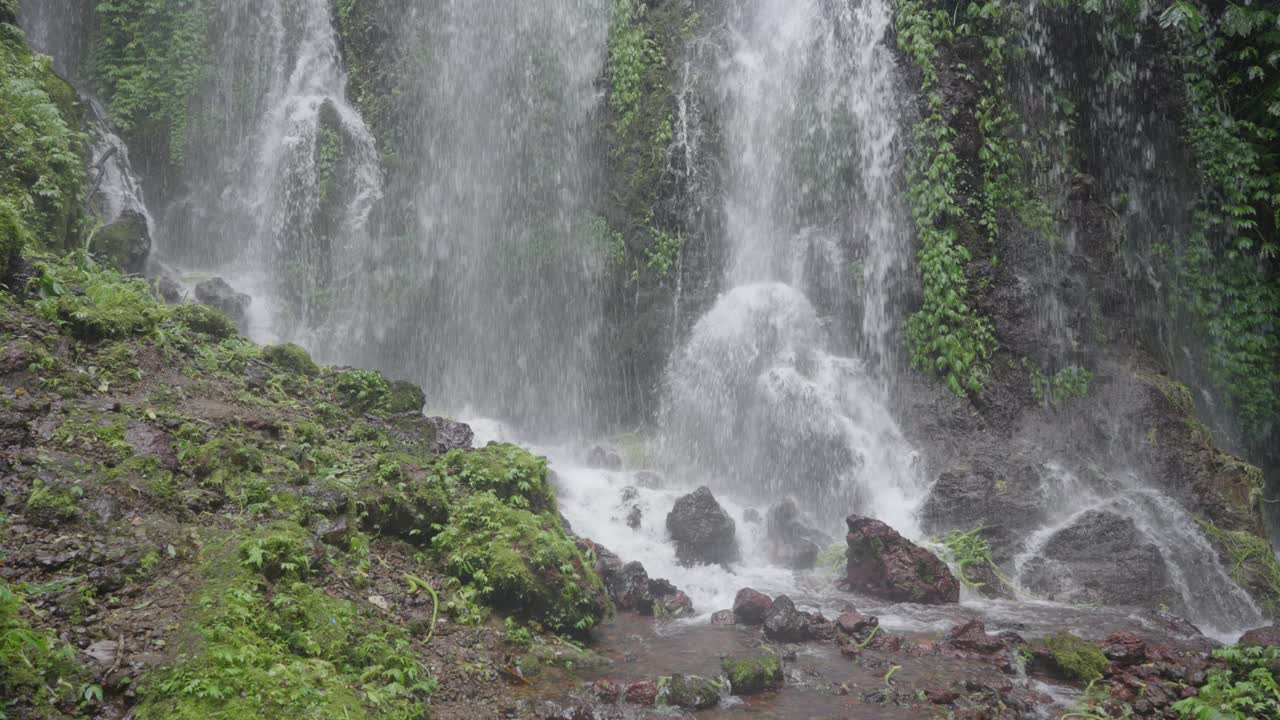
[(792, 543), (631, 589), (783, 623), (750, 606), (703, 532), (218, 294), (886, 565), (749, 675)]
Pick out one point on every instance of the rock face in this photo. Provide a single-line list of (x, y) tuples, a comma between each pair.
[(884, 564), (1268, 636), (450, 435), (1004, 502), (216, 293), (703, 532), (124, 244), (1101, 558), (750, 606), (792, 543)]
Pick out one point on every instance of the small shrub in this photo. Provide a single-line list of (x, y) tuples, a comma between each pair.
[(54, 503), (405, 397), (205, 320), (361, 391), (290, 358), (96, 304), (509, 471), (36, 671), (1245, 689)]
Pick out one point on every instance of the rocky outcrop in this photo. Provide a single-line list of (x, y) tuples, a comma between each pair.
[(449, 435), (783, 623), (792, 543), (631, 589), (124, 244), (702, 531), (218, 294), (1268, 636), (1101, 558), (884, 564)]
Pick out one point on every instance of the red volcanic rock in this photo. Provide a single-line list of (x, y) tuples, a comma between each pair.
[(972, 637), (884, 564), (750, 606), (1124, 648), (644, 692)]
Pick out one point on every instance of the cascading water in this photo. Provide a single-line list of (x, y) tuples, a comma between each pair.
[(758, 401), (496, 276), (282, 173)]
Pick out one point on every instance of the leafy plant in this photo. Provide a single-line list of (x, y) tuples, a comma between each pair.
[(1245, 689)]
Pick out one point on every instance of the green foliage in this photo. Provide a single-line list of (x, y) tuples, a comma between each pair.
[(834, 557), (54, 503), (37, 672), (1228, 272), (95, 303), (750, 675), (1067, 384), (664, 253), (1077, 659), (1245, 689), (42, 167), (277, 551), (149, 56), (292, 651), (520, 562), (204, 319), (632, 56), (290, 358), (510, 472), (361, 391), (404, 397), (946, 336), (971, 551), (1254, 568)]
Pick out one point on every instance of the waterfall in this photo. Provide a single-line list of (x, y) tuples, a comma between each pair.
[(495, 276), (760, 397), (281, 173), (116, 188)]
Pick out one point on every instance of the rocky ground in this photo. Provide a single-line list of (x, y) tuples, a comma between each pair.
[(195, 526)]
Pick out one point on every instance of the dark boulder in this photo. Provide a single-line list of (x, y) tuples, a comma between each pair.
[(631, 588), (644, 692), (703, 532), (790, 542), (1101, 558), (1124, 648), (750, 606), (692, 692), (170, 290), (783, 623), (604, 458), (634, 516), (1268, 636), (856, 625), (125, 244), (1005, 502), (217, 294), (449, 435), (723, 617), (884, 564)]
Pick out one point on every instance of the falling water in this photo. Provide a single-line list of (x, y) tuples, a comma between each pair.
[(758, 397), (116, 188), (282, 173)]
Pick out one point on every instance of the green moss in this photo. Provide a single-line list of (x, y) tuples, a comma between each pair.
[(361, 391), (508, 471), (520, 562), (123, 245), (1075, 658), (405, 397), (277, 551), (1254, 565), (205, 320), (38, 674), (289, 650), (750, 675), (96, 304), (290, 358), (690, 691), (51, 503)]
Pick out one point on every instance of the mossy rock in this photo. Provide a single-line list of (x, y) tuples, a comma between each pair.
[(291, 358), (205, 320), (14, 236), (1075, 658), (124, 244), (9, 11), (751, 675), (508, 471), (96, 305), (690, 691), (410, 511), (361, 391), (405, 397), (521, 562)]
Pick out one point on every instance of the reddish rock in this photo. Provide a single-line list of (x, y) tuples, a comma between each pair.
[(677, 605), (723, 617), (886, 565), (644, 692), (1263, 636), (750, 606), (972, 637), (1124, 649), (939, 696), (819, 628), (606, 691), (856, 624)]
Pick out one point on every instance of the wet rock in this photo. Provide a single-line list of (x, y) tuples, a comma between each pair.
[(103, 652), (124, 244), (723, 617), (150, 441), (751, 606), (634, 516), (971, 637), (449, 435), (791, 543), (604, 458), (703, 532), (672, 605), (334, 532), (606, 691), (170, 290), (644, 692), (1124, 649), (783, 623), (856, 625), (1005, 502), (106, 579), (649, 480), (749, 675), (217, 294), (1268, 636), (105, 507), (631, 588), (692, 692), (818, 627), (1101, 558), (884, 564)]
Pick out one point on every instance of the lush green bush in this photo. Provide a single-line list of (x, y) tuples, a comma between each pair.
[(520, 562), (361, 391), (204, 319), (508, 471), (750, 675), (290, 358), (1245, 689), (95, 303), (37, 673)]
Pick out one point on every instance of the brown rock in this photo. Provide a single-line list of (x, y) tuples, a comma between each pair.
[(723, 617), (750, 606), (1263, 637), (644, 692), (884, 564), (1124, 648)]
